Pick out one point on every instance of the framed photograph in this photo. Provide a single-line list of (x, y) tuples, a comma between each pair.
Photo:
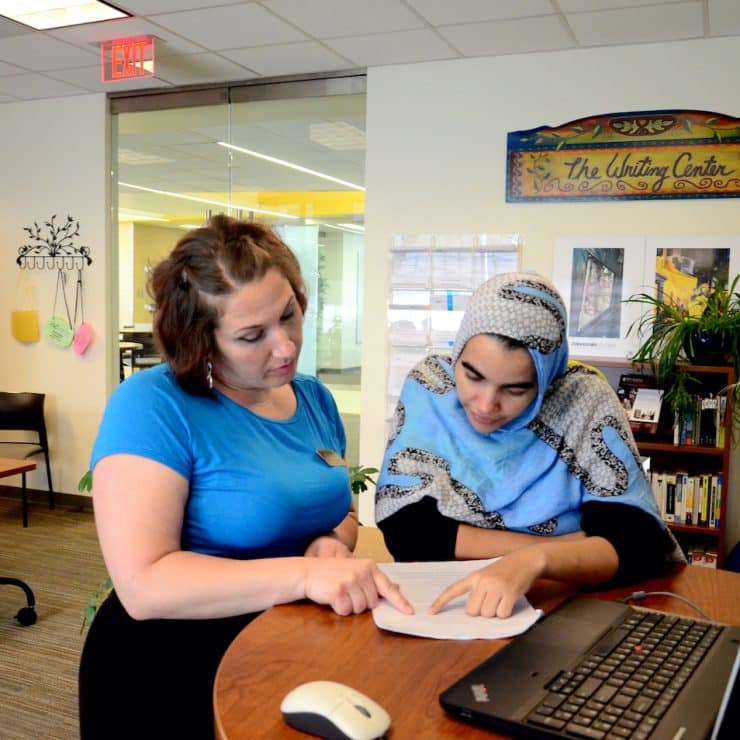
[(595, 276), (685, 269)]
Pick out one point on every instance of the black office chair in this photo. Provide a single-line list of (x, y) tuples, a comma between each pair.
[(24, 412), (26, 615)]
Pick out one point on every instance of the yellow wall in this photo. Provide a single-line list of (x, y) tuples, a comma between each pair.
[(151, 244)]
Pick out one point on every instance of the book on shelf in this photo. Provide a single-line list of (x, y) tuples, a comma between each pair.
[(645, 411), (684, 422), (702, 423), (629, 385), (721, 420), (708, 408), (688, 499), (704, 556)]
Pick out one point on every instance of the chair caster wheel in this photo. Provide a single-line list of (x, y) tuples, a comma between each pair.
[(26, 616)]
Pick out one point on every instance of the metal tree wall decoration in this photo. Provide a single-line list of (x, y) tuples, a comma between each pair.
[(52, 246)]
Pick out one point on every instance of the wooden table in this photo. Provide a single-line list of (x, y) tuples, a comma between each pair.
[(289, 645), (10, 466)]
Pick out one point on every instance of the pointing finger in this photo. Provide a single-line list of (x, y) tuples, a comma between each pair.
[(392, 592), (450, 593)]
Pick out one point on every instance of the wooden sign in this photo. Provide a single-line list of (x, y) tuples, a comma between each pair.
[(127, 59), (627, 156)]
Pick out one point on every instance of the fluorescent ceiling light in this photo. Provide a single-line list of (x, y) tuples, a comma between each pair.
[(291, 165), (128, 213), (230, 206), (135, 158), (353, 227), (336, 227), (44, 14)]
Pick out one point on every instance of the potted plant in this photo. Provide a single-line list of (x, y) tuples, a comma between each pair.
[(674, 336)]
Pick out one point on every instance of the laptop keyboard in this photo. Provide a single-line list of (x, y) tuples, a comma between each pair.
[(629, 680)]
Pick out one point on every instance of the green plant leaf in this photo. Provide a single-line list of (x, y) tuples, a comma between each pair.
[(85, 483), (359, 477)]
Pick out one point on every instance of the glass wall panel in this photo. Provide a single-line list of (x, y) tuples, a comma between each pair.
[(290, 155)]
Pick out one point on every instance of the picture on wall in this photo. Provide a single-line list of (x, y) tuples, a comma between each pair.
[(596, 285), (685, 270), (595, 276)]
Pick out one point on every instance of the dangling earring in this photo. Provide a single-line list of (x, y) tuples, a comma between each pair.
[(209, 374)]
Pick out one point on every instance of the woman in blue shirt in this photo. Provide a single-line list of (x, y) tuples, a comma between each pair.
[(211, 500)]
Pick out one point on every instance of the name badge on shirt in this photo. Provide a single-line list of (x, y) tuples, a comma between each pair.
[(331, 458)]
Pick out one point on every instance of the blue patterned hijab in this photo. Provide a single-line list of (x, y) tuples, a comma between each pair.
[(572, 444)]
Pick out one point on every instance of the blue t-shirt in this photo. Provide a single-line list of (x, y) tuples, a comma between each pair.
[(257, 487)]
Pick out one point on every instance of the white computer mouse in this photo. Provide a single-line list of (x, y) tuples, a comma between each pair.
[(334, 711)]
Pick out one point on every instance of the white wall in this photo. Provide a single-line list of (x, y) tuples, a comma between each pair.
[(54, 162), (436, 162)]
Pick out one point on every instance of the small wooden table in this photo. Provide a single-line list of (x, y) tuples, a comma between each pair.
[(291, 644), (10, 466)]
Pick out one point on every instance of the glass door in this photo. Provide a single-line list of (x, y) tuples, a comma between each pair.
[(290, 155)]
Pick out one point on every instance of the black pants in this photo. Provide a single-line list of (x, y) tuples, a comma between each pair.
[(153, 678)]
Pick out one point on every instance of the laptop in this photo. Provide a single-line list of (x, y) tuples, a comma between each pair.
[(598, 669)]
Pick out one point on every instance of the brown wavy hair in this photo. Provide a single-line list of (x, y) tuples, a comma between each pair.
[(206, 265)]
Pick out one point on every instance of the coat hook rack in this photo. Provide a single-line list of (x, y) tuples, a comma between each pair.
[(52, 247)]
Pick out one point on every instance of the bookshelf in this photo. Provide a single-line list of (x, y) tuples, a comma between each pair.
[(695, 460)]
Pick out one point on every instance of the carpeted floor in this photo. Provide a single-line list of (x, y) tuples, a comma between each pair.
[(58, 556)]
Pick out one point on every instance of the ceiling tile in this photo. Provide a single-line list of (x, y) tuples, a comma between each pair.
[(32, 86), (638, 25), (149, 7), (546, 33), (186, 69), (724, 17), (10, 69), (39, 52), (285, 59), (577, 6), (393, 48), (11, 28), (93, 33), (89, 78), (330, 18), (230, 27), (443, 12)]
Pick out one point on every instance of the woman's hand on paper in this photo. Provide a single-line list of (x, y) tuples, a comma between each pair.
[(350, 585), (495, 589)]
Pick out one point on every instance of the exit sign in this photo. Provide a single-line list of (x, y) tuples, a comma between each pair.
[(127, 59)]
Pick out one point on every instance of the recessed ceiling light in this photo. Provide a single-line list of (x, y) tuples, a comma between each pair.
[(338, 135), (45, 14)]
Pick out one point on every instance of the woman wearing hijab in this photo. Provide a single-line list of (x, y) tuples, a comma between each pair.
[(505, 450)]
